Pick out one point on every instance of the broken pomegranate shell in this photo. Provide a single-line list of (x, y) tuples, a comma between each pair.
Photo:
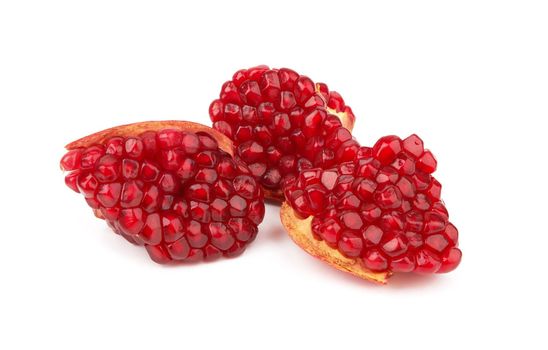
[(170, 186), (376, 215), (279, 121)]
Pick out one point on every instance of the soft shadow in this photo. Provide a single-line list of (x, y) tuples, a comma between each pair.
[(273, 202), (412, 281), (273, 233)]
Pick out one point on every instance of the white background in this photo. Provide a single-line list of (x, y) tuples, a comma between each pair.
[(470, 77)]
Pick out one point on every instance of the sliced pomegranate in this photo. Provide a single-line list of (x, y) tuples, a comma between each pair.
[(170, 186), (280, 123), (377, 214)]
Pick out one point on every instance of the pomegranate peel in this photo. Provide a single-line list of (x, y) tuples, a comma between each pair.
[(137, 128), (301, 233)]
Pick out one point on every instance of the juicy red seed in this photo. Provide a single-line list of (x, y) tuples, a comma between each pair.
[(271, 114), (132, 194), (221, 236), (330, 231), (131, 221), (190, 143), (372, 235), (71, 180), (427, 262), (395, 246), (257, 169), (187, 169), (134, 147), (169, 138), (175, 192), (375, 261), (158, 253), (413, 145), (130, 169), (90, 156), (107, 168), (172, 227), (211, 253), (251, 151), (255, 212), (403, 264), (71, 160), (220, 210), (179, 249), (196, 237), (152, 230), (437, 242), (350, 245), (386, 201), (351, 220), (386, 149), (427, 162), (108, 194), (115, 146), (388, 198), (450, 260), (87, 184)]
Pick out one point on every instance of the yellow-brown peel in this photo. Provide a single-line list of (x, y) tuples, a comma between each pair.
[(136, 129), (347, 120), (300, 231)]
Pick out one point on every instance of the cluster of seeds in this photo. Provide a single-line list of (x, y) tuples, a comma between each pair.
[(383, 207), (175, 192), (279, 121)]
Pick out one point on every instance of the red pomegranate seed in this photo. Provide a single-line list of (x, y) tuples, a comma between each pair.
[(173, 190), (382, 207), (279, 121)]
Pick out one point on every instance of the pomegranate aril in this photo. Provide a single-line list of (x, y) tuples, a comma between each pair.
[(90, 156), (179, 249), (221, 236), (450, 260), (131, 221), (350, 245), (386, 149), (152, 230), (374, 260), (426, 262), (71, 160), (108, 194)]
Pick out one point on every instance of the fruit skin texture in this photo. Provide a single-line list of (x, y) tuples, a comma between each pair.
[(279, 122), (381, 211), (172, 187)]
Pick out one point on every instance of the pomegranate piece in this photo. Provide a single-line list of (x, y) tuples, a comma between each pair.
[(378, 214), (281, 123), (170, 186)]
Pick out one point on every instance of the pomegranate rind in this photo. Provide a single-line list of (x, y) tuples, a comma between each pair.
[(136, 129), (300, 232)]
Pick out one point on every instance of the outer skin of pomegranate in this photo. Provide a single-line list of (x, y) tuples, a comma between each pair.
[(173, 190), (382, 209), (279, 122)]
